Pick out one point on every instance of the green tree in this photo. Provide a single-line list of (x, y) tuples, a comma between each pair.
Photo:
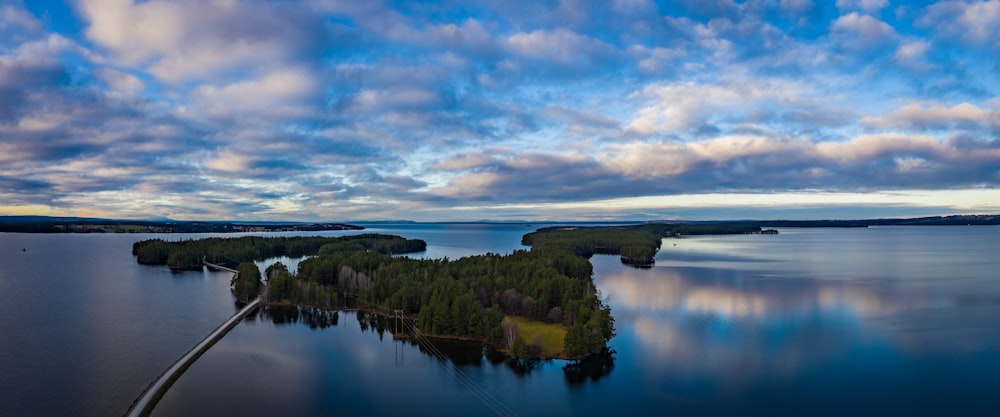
[(247, 284)]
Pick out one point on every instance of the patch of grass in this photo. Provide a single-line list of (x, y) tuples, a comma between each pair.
[(552, 335)]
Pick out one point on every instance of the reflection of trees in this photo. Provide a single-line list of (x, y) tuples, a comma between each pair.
[(522, 367), (459, 352), (313, 317), (594, 367)]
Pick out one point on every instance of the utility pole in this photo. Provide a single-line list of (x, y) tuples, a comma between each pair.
[(399, 356), (399, 316)]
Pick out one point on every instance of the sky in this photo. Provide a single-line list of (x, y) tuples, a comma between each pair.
[(331, 110)]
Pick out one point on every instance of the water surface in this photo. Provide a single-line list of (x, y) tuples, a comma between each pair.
[(874, 321), (893, 320)]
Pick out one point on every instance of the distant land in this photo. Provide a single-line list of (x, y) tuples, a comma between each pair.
[(46, 224), (955, 220)]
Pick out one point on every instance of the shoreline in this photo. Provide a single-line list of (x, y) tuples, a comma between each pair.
[(413, 318)]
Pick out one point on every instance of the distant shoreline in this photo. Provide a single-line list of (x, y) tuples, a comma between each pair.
[(44, 224), (60, 225)]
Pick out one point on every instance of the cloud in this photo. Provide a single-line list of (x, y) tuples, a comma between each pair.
[(701, 110), (318, 109), (867, 6), (631, 7), (913, 53), (859, 32), (185, 40), (118, 80), (681, 107), (559, 46), (655, 60), (974, 22), (924, 116), (670, 158), (273, 92), (725, 164), (17, 23), (796, 6)]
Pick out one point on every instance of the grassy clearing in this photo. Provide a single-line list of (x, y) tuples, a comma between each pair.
[(552, 335)]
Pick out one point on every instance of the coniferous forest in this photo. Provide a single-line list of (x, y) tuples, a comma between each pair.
[(192, 253), (466, 298)]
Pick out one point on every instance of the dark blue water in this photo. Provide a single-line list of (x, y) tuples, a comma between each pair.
[(810, 322), (898, 320), (84, 328)]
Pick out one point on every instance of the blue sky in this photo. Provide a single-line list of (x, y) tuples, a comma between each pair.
[(567, 110)]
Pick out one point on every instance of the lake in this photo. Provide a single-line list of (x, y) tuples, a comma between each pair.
[(898, 320)]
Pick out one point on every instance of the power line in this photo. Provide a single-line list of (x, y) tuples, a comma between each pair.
[(474, 388)]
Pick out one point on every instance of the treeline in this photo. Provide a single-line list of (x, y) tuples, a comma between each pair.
[(464, 298), (190, 254), (283, 288), (43, 224), (246, 284), (636, 244)]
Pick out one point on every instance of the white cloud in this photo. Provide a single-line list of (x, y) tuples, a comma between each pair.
[(934, 115), (975, 22), (280, 87), (470, 34), (13, 19), (668, 158), (375, 100), (796, 6), (862, 32), (229, 161), (679, 107), (888, 145), (630, 7), (665, 159), (136, 32), (655, 59), (118, 80), (867, 6), (194, 39), (912, 50), (561, 46)]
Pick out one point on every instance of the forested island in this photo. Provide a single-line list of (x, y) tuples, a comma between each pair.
[(191, 254), (484, 298), (537, 303), (636, 244)]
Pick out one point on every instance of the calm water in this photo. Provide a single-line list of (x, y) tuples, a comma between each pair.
[(898, 320)]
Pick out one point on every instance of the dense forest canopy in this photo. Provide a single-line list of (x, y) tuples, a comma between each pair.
[(465, 298), (636, 244), (190, 254)]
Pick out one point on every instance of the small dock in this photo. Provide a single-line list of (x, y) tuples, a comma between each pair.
[(219, 267), (236, 273)]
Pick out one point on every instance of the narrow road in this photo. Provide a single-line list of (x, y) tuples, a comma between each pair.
[(143, 406)]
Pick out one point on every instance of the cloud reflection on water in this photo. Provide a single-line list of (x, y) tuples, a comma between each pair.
[(739, 318)]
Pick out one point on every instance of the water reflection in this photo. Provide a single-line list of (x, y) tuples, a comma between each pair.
[(314, 318), (764, 311), (458, 352), (838, 322), (592, 368)]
